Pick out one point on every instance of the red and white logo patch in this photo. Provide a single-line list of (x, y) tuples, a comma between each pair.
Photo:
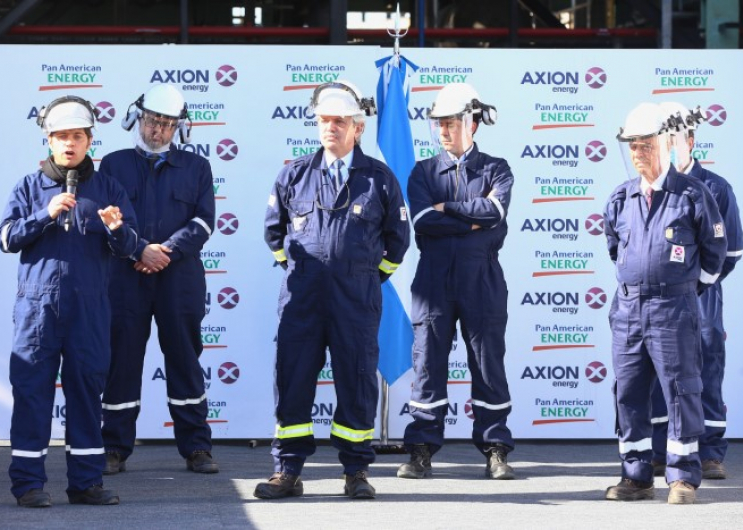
[(678, 253), (719, 230)]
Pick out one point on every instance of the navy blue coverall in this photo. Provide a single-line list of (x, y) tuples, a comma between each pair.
[(662, 257), (336, 245), (61, 307), (174, 202), (712, 444), (460, 278)]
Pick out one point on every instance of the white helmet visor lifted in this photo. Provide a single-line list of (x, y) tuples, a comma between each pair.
[(682, 122), (65, 113), (341, 99), (645, 142)]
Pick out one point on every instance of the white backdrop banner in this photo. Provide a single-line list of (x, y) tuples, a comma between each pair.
[(558, 114)]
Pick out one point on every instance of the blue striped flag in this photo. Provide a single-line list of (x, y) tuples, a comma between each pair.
[(395, 142)]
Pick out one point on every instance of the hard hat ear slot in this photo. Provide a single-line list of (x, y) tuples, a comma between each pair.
[(368, 106), (131, 116), (40, 117), (184, 130)]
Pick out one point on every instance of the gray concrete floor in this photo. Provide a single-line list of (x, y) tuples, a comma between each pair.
[(559, 485)]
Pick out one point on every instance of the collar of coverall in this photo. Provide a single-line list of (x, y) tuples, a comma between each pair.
[(170, 159), (58, 174), (446, 162)]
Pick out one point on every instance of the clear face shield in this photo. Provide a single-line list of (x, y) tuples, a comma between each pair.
[(680, 150), (451, 134), (646, 156)]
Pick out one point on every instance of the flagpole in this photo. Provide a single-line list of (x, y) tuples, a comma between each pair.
[(384, 446)]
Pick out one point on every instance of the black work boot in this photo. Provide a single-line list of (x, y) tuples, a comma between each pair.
[(631, 490), (280, 485), (419, 465), (358, 487), (95, 495), (35, 498), (498, 467), (114, 463), (201, 462)]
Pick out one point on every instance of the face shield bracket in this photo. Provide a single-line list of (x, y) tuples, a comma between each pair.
[(367, 105)]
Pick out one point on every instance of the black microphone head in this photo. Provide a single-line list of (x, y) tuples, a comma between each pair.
[(72, 177)]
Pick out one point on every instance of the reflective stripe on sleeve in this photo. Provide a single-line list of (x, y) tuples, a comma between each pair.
[(429, 406), (489, 406), (199, 221), (713, 423), (646, 444), (293, 431), (190, 401), (388, 267), (498, 205), (706, 277), (29, 454), (4, 236), (352, 435), (681, 449), (121, 406), (661, 419), (422, 213), (734, 253), (280, 255)]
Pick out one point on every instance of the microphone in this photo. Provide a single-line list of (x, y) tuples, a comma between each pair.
[(71, 188)]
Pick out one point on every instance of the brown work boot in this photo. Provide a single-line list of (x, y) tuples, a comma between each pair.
[(498, 467), (35, 498), (201, 462), (358, 487), (280, 485), (631, 490), (419, 465), (659, 468), (681, 492), (713, 470)]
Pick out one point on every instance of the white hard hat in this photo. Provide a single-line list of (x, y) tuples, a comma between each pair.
[(645, 120), (68, 112), (341, 98), (458, 98), (165, 100)]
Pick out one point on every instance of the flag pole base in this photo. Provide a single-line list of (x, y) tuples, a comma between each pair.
[(389, 449)]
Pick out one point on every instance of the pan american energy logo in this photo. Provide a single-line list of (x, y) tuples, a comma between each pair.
[(206, 114), (70, 76), (297, 147), (562, 116), (566, 81), (560, 263), (213, 337), (325, 377), (196, 79), (305, 78), (683, 79), (557, 411), (435, 77), (214, 261), (558, 337), (459, 373)]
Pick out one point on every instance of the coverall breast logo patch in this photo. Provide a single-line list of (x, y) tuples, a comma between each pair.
[(678, 253), (719, 230), (299, 222), (403, 214), (357, 209)]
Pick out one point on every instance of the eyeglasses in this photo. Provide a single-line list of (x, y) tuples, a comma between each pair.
[(641, 146), (328, 190), (153, 123)]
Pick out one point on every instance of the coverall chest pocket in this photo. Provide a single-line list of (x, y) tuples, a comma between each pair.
[(365, 216), (678, 241), (185, 198), (300, 216)]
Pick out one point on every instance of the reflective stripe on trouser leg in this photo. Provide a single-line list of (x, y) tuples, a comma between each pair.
[(635, 373), (121, 398), (674, 344), (432, 344)]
